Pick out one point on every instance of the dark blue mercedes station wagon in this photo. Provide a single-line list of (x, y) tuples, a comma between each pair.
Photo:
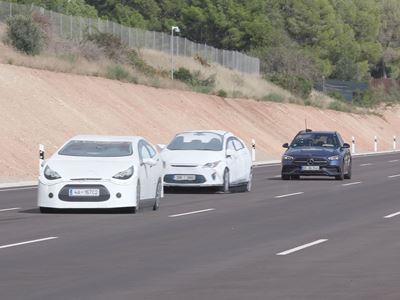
[(316, 153)]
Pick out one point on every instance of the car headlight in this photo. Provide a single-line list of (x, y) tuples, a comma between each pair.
[(287, 157), (212, 164), (124, 174), (335, 157), (50, 174)]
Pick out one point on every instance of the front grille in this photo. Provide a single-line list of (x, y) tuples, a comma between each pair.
[(184, 166), (170, 179), (312, 161), (85, 179), (64, 193)]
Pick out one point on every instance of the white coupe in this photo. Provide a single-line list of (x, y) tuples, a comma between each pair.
[(205, 159), (101, 172)]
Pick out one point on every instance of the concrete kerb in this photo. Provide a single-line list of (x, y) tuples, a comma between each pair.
[(257, 164)]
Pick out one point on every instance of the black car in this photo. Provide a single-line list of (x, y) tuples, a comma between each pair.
[(316, 153)]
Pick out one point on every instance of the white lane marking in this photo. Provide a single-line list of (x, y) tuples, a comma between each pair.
[(392, 215), (351, 183), (289, 195), (18, 189), (302, 247), (29, 242), (393, 176), (7, 209), (394, 160), (363, 165), (192, 212)]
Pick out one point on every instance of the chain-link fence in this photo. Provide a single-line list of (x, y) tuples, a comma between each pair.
[(73, 27)]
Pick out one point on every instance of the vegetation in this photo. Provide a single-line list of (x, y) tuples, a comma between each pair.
[(25, 35), (195, 80)]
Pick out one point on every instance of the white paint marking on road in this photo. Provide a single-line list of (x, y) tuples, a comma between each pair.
[(278, 176), (302, 247), (7, 209), (363, 165), (192, 212), (351, 183), (289, 195), (29, 242), (18, 189), (394, 176), (394, 160), (392, 215)]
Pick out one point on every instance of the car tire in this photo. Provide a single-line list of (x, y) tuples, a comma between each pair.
[(246, 187), (46, 210), (285, 177), (137, 207), (348, 175), (295, 177), (226, 185), (156, 205), (340, 176)]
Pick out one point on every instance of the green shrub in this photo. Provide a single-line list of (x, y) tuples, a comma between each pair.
[(339, 106), (222, 93), (297, 85), (274, 97), (195, 80), (118, 72), (138, 63), (184, 75), (25, 35), (111, 45), (336, 95)]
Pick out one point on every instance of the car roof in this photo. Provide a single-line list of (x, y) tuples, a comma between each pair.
[(318, 132), (107, 138), (220, 132)]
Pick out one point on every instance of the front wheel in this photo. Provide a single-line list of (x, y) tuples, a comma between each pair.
[(340, 176), (45, 210), (156, 205), (225, 188), (285, 177), (348, 175)]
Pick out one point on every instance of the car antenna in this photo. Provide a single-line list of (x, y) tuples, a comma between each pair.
[(305, 122)]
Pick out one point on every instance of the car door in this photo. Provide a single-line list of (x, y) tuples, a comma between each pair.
[(144, 172), (345, 153), (244, 160), (153, 170), (232, 161)]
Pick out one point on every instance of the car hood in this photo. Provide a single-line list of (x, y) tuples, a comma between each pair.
[(189, 157), (85, 168), (311, 152)]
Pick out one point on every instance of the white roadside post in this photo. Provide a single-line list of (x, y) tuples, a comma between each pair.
[(375, 144), (394, 143), (353, 145), (253, 150), (177, 30), (41, 156)]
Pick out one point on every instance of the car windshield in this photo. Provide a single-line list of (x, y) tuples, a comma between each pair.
[(205, 141), (315, 140), (97, 149)]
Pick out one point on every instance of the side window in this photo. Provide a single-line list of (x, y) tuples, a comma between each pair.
[(230, 145), (143, 151), (341, 142), (238, 144), (151, 150)]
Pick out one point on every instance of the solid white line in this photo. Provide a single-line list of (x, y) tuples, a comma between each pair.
[(393, 176), (7, 209), (289, 195), (29, 242), (302, 247), (394, 160), (351, 183), (392, 215), (192, 212), (18, 189), (363, 165)]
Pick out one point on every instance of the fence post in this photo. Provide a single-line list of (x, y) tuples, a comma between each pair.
[(253, 150), (353, 145), (11, 7), (70, 26), (375, 144), (394, 143), (61, 25)]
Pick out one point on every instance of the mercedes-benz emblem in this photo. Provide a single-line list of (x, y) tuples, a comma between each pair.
[(310, 162)]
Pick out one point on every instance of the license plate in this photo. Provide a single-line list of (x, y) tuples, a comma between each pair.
[(310, 168), (184, 177), (84, 192)]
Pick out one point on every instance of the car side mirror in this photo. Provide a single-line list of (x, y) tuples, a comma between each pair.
[(345, 146), (285, 145), (161, 146), (230, 152), (149, 161)]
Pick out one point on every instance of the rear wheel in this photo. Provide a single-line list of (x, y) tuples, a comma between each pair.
[(246, 187), (225, 188), (156, 205), (137, 207)]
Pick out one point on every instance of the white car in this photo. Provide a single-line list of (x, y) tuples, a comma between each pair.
[(205, 159), (101, 172)]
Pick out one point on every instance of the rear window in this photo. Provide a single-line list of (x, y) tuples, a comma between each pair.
[(205, 141), (97, 149)]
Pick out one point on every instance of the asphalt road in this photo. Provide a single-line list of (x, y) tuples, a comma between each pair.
[(307, 239)]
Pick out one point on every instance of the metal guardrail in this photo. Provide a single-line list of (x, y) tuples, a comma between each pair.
[(74, 27)]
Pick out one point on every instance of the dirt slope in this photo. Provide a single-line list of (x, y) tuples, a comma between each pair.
[(45, 107)]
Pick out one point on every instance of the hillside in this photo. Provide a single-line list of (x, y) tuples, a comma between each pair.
[(47, 107)]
